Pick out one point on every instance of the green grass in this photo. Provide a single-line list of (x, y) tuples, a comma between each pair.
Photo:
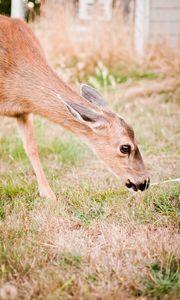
[(69, 259), (69, 152), (12, 191), (105, 78), (13, 147), (160, 204), (164, 278), (92, 214)]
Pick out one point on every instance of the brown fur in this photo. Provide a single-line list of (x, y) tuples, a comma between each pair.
[(29, 86)]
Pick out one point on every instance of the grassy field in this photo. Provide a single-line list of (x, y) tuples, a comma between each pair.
[(99, 241)]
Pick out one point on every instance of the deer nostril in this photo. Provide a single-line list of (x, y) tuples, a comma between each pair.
[(142, 186), (130, 184)]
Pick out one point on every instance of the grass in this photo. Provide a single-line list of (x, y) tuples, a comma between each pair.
[(69, 151), (103, 78), (99, 241), (164, 278)]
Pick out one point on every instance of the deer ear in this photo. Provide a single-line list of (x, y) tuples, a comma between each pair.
[(86, 116), (92, 95)]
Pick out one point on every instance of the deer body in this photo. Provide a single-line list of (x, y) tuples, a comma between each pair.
[(29, 86)]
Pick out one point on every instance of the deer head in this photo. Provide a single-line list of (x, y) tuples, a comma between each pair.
[(112, 139)]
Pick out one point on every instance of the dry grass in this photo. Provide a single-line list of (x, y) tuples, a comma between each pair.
[(68, 45), (99, 242), (76, 53)]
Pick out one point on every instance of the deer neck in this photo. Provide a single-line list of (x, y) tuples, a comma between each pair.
[(44, 93)]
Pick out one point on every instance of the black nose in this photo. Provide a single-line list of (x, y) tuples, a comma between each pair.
[(139, 186)]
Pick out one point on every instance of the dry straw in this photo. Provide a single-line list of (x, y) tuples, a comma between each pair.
[(166, 181), (70, 42), (67, 40)]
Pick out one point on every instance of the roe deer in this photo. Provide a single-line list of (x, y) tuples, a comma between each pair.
[(29, 86)]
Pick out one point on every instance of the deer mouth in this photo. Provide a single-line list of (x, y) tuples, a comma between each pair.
[(142, 186)]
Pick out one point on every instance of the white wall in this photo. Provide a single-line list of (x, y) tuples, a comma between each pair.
[(165, 20), (156, 20)]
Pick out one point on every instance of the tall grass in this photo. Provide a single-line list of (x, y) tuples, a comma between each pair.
[(80, 45), (76, 48)]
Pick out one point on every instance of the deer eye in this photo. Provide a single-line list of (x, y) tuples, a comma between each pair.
[(125, 149)]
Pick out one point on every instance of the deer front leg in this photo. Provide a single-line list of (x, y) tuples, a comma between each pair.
[(26, 130)]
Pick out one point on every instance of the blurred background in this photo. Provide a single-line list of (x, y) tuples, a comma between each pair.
[(99, 242), (105, 42)]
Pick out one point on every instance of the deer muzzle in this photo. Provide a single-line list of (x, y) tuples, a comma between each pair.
[(138, 186)]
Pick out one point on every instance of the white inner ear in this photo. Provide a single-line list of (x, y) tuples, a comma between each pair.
[(93, 125), (98, 125), (75, 114)]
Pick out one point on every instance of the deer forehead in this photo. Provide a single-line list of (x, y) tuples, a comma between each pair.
[(122, 129)]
